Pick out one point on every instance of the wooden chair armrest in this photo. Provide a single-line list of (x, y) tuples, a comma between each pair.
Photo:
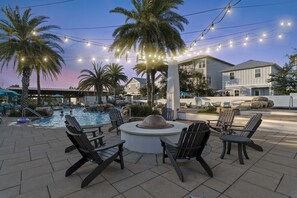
[(111, 145), (209, 121), (96, 138), (167, 141)]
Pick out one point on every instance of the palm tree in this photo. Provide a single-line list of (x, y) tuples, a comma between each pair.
[(97, 79), (116, 74), (152, 27), (25, 41), (50, 67), (158, 66)]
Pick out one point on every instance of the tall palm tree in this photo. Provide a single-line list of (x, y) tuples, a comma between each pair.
[(24, 41), (116, 74), (158, 66), (152, 27), (97, 79), (49, 66)]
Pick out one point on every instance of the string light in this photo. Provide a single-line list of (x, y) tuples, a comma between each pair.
[(65, 39), (212, 26), (280, 36), (245, 44), (289, 23), (229, 9), (246, 38), (45, 59), (282, 23), (260, 40), (22, 59), (118, 60), (93, 59), (202, 36), (264, 35), (80, 60), (106, 60), (34, 32), (104, 47), (88, 43)]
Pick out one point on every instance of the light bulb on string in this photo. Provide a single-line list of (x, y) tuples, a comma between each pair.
[(118, 60), (34, 32), (45, 59), (245, 44), (129, 61), (23, 59), (289, 23), (282, 23), (107, 60), (118, 50), (264, 35), (65, 39), (229, 8), (280, 36), (93, 59), (202, 36), (212, 26), (88, 43), (80, 60), (195, 43), (261, 40), (246, 38)]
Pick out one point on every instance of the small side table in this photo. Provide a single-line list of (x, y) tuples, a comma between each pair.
[(240, 140)]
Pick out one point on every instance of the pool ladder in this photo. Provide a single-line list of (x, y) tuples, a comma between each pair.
[(32, 111)]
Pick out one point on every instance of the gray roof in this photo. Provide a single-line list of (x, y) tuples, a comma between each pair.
[(249, 65), (201, 57), (142, 81)]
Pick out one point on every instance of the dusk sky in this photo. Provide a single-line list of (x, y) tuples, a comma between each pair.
[(85, 21)]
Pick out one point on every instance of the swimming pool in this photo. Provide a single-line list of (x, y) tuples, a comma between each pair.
[(84, 118)]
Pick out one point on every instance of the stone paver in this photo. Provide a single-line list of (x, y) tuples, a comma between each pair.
[(33, 164), (162, 188), (288, 186)]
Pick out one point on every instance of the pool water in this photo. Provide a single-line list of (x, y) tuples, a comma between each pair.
[(84, 118)]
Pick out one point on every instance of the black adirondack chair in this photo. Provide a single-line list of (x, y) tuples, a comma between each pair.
[(242, 136), (94, 130), (167, 113), (116, 119), (190, 145), (224, 121), (101, 156)]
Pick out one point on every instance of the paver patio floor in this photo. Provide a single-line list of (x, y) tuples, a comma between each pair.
[(33, 164)]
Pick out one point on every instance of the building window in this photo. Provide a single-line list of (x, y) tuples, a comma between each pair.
[(236, 93), (231, 75), (209, 80), (257, 73)]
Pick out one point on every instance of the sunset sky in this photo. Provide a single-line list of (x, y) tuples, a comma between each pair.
[(84, 21)]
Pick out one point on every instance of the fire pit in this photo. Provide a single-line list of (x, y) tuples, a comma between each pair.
[(144, 136), (154, 122)]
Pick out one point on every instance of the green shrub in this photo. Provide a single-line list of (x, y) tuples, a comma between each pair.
[(141, 110), (209, 110)]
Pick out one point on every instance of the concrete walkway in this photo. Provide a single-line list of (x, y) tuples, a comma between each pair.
[(33, 164)]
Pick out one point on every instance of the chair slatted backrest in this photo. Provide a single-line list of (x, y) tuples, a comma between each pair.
[(252, 125), (167, 113), (83, 145), (192, 140), (73, 122), (116, 118), (226, 116)]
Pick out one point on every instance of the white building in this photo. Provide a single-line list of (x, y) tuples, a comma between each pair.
[(133, 85), (249, 78), (209, 66)]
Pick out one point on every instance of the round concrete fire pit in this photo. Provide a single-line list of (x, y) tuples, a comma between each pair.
[(147, 140)]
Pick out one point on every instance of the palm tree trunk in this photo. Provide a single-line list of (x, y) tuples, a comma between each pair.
[(99, 94), (38, 88), (148, 87), (153, 88), (25, 86), (114, 94)]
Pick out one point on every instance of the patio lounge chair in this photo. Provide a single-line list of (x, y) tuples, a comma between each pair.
[(167, 113), (242, 136), (101, 156), (116, 120), (94, 130), (190, 145), (224, 121)]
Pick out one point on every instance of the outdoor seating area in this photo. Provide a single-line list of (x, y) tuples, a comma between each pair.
[(33, 163)]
